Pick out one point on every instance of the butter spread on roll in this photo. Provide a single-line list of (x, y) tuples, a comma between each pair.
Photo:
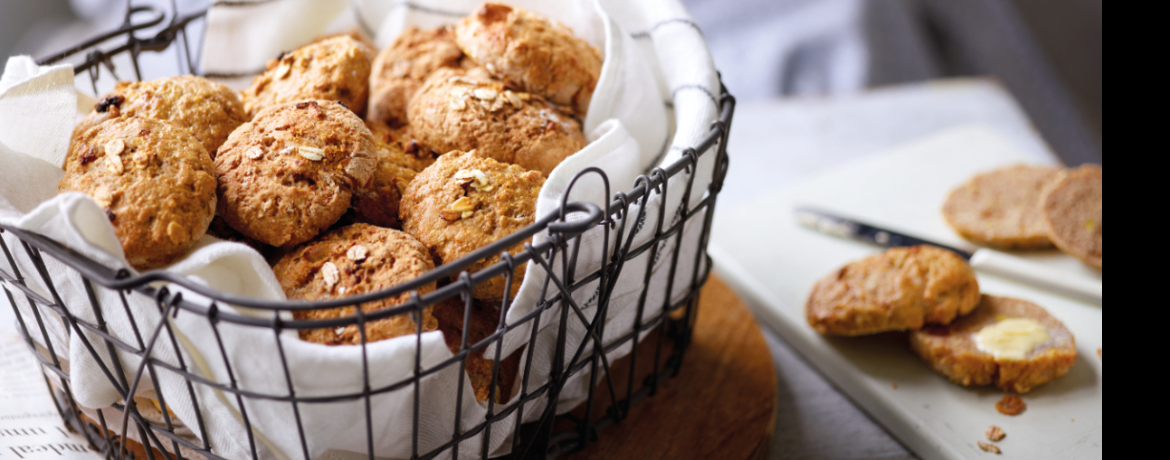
[(1011, 338)]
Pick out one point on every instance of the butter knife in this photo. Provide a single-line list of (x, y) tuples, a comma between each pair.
[(985, 260)]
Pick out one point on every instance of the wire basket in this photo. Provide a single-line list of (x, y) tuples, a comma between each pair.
[(656, 344)]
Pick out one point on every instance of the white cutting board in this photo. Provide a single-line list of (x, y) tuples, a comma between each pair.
[(774, 262)]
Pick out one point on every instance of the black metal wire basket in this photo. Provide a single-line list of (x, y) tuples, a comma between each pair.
[(656, 343)]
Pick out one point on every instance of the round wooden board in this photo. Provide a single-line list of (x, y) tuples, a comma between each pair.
[(721, 404)]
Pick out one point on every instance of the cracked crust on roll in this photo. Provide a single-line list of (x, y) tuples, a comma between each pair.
[(464, 202), (353, 260), (1002, 207), (899, 289), (532, 53), (208, 110), (291, 172), (154, 181), (401, 68), (466, 110), (335, 69), (951, 350), (1072, 213)]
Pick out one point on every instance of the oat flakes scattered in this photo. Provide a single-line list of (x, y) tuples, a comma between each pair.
[(478, 180), (330, 274), (462, 204), (102, 196), (284, 70), (115, 147), (254, 153), (1010, 405), (458, 104), (485, 94), (464, 207), (989, 447), (994, 433), (340, 330), (176, 233), (513, 99), (114, 164), (481, 181), (466, 175), (311, 153), (357, 253)]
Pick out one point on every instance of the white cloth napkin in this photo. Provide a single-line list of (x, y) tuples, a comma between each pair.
[(657, 95)]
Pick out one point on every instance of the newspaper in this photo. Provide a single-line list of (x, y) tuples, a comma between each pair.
[(30, 427)]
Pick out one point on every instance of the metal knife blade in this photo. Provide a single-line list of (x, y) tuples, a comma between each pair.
[(983, 259), (844, 227)]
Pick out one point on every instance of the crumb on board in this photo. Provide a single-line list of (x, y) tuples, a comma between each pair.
[(894, 385), (994, 433), (989, 447), (1098, 352), (1010, 405)]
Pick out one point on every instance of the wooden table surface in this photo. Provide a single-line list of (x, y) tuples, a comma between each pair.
[(721, 404)]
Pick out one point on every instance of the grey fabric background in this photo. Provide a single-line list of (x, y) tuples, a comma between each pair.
[(1046, 52)]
